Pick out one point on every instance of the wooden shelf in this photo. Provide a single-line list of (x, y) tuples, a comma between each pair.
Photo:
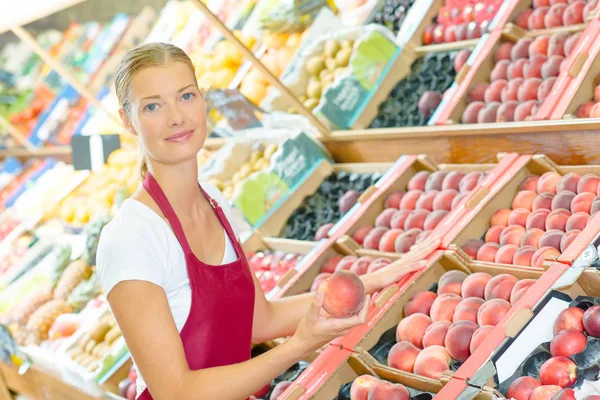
[(25, 12)]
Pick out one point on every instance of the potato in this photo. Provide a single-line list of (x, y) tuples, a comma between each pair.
[(270, 150), (100, 349), (89, 345), (342, 58), (311, 104), (331, 64), (112, 335), (346, 44), (314, 89), (332, 47), (324, 75), (100, 331), (315, 65)]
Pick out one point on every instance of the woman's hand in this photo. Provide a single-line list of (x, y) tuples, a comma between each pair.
[(318, 328), (410, 262)]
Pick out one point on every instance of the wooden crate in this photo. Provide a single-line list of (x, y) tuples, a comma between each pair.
[(26, 384)]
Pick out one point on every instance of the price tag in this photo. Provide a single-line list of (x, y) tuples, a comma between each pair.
[(91, 152), (239, 112)]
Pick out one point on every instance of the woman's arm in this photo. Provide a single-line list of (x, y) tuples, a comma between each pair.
[(143, 314)]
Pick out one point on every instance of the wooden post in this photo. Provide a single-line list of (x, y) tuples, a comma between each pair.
[(17, 135), (261, 67), (62, 71)]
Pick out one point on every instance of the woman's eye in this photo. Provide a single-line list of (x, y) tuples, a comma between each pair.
[(187, 96), (151, 107)]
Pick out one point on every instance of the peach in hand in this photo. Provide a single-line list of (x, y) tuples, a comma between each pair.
[(344, 294)]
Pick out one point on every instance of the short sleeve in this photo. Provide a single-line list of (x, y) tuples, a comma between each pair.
[(126, 253)]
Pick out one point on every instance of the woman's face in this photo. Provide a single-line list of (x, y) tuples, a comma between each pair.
[(168, 113)]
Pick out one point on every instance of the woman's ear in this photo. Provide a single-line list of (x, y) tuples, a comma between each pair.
[(127, 121)]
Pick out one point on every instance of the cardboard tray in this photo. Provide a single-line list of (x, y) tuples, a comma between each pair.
[(372, 206), (479, 67), (475, 222)]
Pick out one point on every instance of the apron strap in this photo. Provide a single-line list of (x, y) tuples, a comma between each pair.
[(157, 194)]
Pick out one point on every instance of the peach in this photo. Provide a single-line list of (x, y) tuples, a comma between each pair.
[(323, 232), (551, 69), (318, 280), (488, 252), (479, 336), (500, 287), (537, 17), (591, 321), (567, 239), (503, 52), (402, 356), (458, 199), (539, 46), (490, 113), (492, 311), (518, 216), (506, 254), (500, 217), (361, 233), (493, 234), (583, 202), (543, 200), (588, 183), (443, 200), (436, 334), (458, 339), (435, 181), (554, 18), (474, 285), (571, 42), (559, 371), (426, 199), (565, 394), (556, 45), (521, 49), (520, 289), (587, 10), (574, 13), (388, 240), (477, 92), (499, 71), (419, 303), (433, 219), (567, 343), (537, 219), (385, 390), (331, 263), (471, 113), (557, 219), (469, 182), (467, 309), (548, 182), (385, 218), (545, 392), (423, 236), (544, 90), (399, 219), (584, 110), (412, 328), (523, 255), (344, 294), (563, 200), (405, 241), (452, 181), (345, 263), (393, 199), (522, 388), (374, 237), (451, 282), (510, 92), (532, 238), (543, 253), (409, 200), (432, 362), (529, 89), (461, 57), (493, 93), (443, 307), (361, 386), (378, 264), (417, 182), (525, 110), (577, 221), (530, 183), (524, 199), (416, 219), (515, 70), (361, 265), (512, 234), (551, 238), (506, 112), (522, 19), (595, 206), (471, 247), (279, 389)]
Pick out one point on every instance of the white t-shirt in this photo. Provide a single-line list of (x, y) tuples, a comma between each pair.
[(139, 245)]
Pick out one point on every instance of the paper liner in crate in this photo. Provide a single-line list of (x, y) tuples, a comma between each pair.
[(339, 74)]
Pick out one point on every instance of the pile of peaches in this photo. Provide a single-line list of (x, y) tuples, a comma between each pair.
[(452, 323), (547, 214), (410, 217), (555, 13), (367, 387), (357, 265)]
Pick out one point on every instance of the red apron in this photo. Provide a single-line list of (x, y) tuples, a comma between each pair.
[(218, 330)]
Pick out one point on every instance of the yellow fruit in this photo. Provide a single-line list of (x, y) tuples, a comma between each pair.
[(254, 91), (255, 75), (272, 63), (81, 216), (294, 40), (67, 212), (315, 65), (274, 40), (247, 40), (132, 183), (222, 79)]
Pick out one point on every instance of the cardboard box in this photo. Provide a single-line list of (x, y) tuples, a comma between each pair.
[(480, 65), (475, 223), (375, 204)]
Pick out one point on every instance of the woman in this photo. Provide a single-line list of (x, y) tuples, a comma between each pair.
[(172, 267)]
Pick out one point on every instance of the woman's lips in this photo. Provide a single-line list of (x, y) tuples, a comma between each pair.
[(180, 137)]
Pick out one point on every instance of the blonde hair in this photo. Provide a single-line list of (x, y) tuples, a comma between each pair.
[(136, 60)]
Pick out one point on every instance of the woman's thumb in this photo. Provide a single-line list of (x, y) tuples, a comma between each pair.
[(316, 303)]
